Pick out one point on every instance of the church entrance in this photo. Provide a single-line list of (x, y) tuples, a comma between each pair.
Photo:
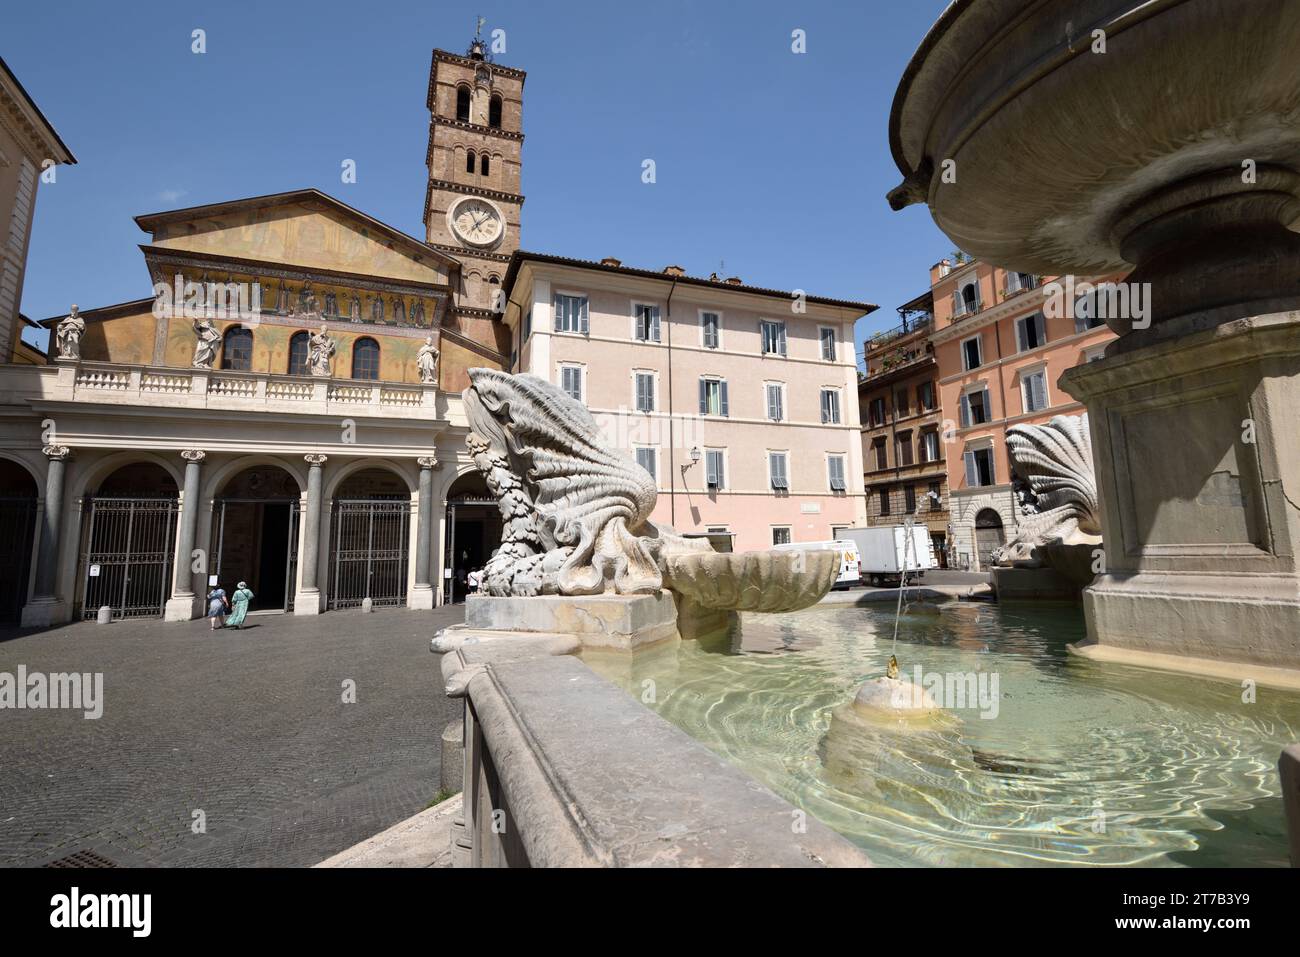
[(370, 522), (473, 532), (17, 535), (255, 536), (128, 539)]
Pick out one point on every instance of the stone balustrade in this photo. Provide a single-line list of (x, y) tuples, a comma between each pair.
[(110, 383)]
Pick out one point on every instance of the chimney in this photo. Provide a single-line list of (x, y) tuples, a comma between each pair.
[(674, 271), (733, 281), (611, 261)]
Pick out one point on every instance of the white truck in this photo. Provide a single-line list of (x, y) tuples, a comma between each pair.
[(884, 552)]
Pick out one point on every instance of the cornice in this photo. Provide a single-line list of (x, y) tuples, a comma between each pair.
[(462, 252), (476, 128), (466, 190), (24, 120), (1028, 301)]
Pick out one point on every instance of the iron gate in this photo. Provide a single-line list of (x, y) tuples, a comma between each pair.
[(17, 530), (368, 560), (128, 556)]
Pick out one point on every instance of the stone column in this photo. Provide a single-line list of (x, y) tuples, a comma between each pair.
[(307, 601), (180, 607), (423, 593), (46, 608)]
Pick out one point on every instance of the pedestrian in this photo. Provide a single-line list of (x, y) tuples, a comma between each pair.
[(217, 606), (242, 597), (475, 579)]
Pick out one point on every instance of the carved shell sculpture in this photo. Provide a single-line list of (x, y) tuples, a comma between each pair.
[(1055, 461), (576, 513)]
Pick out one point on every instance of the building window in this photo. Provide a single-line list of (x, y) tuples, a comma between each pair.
[(647, 458), (780, 534), (831, 406), (484, 164), (1031, 332), (975, 409), (828, 343), (901, 407), (882, 453), (713, 397), (646, 325), (469, 161), (298, 347), (1033, 391), (909, 499), (709, 329), (876, 412), (1020, 281), (237, 349), (972, 354), (884, 500), (925, 396), (1087, 312), (715, 469), (835, 470), (365, 359), (571, 314), (462, 104), (776, 471), (773, 335), (494, 112), (967, 299), (930, 446), (645, 392), (979, 467), (904, 449), (936, 497), (775, 401), (571, 382)]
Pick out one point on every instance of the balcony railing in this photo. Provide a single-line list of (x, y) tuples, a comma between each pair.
[(219, 389)]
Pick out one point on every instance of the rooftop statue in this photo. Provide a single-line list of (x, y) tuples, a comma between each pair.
[(576, 513)]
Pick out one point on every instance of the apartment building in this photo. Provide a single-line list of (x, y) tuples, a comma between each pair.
[(905, 472), (740, 400), (999, 351)]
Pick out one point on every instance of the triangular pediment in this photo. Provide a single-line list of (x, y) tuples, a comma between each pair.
[(305, 229)]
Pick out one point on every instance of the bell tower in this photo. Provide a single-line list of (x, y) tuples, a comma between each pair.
[(472, 204)]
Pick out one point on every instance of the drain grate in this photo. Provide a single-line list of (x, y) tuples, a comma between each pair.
[(82, 859)]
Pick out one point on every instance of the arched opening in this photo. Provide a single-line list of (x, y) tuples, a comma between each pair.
[(970, 297), (128, 539), (365, 359), (462, 103), (469, 161), (370, 523), (299, 346), (255, 536), (237, 349), (18, 495), (473, 531), (494, 112), (484, 167), (989, 536)]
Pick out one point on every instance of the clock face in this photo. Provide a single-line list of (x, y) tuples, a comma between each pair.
[(476, 222)]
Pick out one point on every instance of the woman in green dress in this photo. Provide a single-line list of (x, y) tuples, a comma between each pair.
[(239, 606)]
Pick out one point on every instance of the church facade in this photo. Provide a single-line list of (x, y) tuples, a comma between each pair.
[(284, 408)]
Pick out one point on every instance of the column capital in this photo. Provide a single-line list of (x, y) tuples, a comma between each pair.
[(315, 459), (194, 455), (429, 462), (56, 453)]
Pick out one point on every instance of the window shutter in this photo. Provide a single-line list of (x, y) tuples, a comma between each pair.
[(1022, 340), (988, 406), (1039, 386), (780, 338), (558, 309), (964, 414), (704, 397), (581, 309), (825, 406), (722, 388), (654, 323), (956, 302), (1040, 323), (972, 476)]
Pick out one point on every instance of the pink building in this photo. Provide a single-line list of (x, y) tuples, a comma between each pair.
[(741, 401), (1000, 348)]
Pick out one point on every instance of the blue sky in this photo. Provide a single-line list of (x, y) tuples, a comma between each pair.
[(772, 163)]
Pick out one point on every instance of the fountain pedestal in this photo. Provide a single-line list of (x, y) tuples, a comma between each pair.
[(1198, 465)]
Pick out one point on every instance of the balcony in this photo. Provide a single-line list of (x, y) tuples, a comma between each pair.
[(219, 390)]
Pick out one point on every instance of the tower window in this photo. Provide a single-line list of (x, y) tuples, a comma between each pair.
[(494, 113), (469, 161), (365, 359), (298, 347), (483, 164), (462, 103)]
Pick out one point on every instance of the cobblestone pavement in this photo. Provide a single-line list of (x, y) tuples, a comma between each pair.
[(248, 727)]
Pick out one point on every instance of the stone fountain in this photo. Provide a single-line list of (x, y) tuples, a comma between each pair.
[(1158, 138)]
